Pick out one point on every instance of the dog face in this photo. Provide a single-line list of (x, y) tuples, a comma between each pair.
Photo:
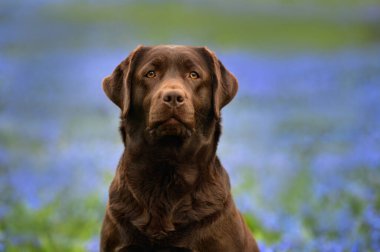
[(171, 90)]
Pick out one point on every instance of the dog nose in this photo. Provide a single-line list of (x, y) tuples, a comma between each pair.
[(173, 98)]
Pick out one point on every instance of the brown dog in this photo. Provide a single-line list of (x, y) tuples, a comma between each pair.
[(170, 192)]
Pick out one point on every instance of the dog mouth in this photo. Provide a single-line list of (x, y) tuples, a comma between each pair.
[(172, 126)]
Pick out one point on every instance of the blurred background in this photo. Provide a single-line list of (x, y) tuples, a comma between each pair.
[(301, 141)]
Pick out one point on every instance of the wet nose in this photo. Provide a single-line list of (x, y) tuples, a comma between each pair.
[(173, 98)]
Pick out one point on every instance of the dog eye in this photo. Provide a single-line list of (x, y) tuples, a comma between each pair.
[(193, 75), (150, 74)]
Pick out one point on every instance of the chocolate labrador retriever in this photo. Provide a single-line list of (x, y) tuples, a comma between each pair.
[(170, 191)]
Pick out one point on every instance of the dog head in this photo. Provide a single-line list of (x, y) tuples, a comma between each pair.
[(170, 90)]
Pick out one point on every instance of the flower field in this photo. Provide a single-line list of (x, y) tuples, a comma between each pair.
[(301, 141)]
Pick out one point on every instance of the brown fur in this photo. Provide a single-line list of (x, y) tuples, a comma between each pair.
[(170, 191)]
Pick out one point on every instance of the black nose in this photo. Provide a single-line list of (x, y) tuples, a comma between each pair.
[(173, 98)]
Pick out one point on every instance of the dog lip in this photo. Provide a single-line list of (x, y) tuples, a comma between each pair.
[(171, 126), (173, 119)]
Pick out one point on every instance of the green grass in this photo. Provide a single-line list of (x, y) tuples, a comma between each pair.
[(61, 225), (175, 22)]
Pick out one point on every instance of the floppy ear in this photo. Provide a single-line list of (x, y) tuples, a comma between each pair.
[(117, 86), (225, 85)]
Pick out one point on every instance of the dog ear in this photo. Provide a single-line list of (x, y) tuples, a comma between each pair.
[(225, 85), (117, 86)]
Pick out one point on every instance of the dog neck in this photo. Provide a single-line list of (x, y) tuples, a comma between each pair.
[(157, 177)]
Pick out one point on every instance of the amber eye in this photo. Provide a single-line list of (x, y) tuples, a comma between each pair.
[(193, 75), (150, 74)]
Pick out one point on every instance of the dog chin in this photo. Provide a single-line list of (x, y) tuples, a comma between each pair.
[(170, 128)]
